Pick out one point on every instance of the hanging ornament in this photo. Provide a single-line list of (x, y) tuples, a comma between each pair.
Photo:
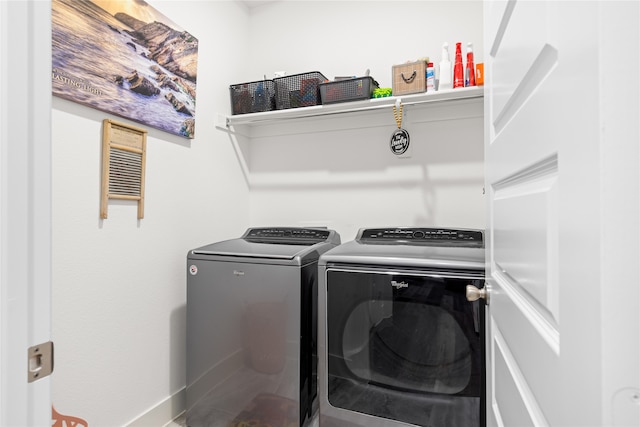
[(399, 143)]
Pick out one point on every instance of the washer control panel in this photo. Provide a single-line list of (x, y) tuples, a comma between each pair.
[(426, 236), (287, 235)]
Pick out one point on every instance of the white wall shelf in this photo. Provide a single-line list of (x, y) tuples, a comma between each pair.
[(256, 119)]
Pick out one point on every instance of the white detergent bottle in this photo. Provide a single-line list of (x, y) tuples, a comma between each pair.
[(446, 73)]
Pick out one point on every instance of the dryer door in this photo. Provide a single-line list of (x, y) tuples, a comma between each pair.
[(406, 346)]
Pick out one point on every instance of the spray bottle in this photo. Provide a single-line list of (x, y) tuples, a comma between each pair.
[(445, 69), (470, 70), (458, 69)]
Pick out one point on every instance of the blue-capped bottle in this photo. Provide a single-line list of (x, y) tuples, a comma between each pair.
[(431, 77)]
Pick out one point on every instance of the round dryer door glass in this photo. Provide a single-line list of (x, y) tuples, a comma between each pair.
[(409, 345)]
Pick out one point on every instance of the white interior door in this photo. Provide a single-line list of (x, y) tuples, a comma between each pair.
[(25, 209), (561, 139)]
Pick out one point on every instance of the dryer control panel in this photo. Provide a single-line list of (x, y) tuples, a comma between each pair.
[(426, 236), (288, 235)]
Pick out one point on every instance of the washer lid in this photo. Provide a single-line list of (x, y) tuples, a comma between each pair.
[(247, 249), (274, 243)]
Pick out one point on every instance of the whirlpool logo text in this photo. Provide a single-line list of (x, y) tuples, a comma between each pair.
[(399, 285)]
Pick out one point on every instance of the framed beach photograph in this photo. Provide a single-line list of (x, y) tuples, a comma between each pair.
[(125, 58)]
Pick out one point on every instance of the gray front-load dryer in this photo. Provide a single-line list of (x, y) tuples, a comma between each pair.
[(252, 328), (399, 344)]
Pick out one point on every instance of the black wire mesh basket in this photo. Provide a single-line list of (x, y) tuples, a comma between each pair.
[(347, 90), (298, 90), (253, 97)]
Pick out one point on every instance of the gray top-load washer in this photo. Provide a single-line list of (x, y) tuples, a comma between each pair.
[(398, 342), (252, 327)]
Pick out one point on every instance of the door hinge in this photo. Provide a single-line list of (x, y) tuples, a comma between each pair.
[(40, 361)]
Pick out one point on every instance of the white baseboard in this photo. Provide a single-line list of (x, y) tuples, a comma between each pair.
[(163, 412)]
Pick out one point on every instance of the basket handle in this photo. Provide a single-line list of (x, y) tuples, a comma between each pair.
[(410, 79)]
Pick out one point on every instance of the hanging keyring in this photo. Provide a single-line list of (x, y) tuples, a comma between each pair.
[(399, 143)]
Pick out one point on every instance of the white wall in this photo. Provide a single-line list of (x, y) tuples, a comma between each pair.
[(341, 38), (119, 284), (309, 173)]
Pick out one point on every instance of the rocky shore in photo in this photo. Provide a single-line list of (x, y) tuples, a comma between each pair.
[(175, 51)]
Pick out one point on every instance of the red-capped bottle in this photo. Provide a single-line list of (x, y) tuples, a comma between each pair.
[(470, 71), (458, 69)]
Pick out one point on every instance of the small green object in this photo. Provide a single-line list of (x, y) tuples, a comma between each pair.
[(382, 92)]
